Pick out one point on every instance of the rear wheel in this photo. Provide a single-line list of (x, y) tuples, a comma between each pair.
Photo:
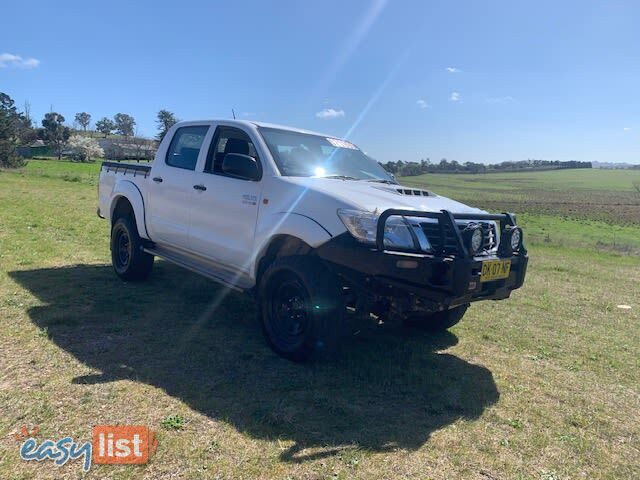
[(129, 261), (301, 308), (439, 321)]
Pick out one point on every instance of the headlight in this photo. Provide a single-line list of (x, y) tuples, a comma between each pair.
[(399, 233), (474, 238), (362, 225)]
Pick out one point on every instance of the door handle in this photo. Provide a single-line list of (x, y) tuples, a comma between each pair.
[(200, 187), (157, 179)]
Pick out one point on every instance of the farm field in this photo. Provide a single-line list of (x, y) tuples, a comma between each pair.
[(543, 386), (586, 207), (586, 194)]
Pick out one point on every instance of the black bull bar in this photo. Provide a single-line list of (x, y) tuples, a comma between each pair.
[(446, 220)]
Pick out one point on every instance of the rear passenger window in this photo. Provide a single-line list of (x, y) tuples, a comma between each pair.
[(185, 147)]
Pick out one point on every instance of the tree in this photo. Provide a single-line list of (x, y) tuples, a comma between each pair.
[(124, 124), (83, 148), (142, 147), (55, 133), (26, 133), (83, 119), (165, 120), (105, 126), (8, 132)]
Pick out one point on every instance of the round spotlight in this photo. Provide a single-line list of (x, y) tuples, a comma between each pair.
[(516, 239), (474, 238)]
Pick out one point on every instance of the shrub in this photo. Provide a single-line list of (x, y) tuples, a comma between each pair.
[(83, 148), (12, 161)]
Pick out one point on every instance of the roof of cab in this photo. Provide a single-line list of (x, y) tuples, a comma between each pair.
[(249, 123), (292, 129)]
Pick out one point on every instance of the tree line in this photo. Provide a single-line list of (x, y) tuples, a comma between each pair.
[(17, 129), (406, 169)]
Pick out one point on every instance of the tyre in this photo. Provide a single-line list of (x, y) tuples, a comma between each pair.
[(439, 321), (301, 309), (129, 261)]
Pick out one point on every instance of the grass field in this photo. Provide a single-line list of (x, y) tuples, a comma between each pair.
[(589, 208), (606, 195), (544, 386)]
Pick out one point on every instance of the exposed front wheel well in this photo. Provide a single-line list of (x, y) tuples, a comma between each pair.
[(281, 246)]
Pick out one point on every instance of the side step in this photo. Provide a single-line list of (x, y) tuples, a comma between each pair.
[(222, 276)]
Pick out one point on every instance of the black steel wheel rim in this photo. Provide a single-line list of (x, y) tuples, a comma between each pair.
[(123, 248), (289, 313)]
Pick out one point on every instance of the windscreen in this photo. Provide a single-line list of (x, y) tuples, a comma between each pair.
[(307, 155)]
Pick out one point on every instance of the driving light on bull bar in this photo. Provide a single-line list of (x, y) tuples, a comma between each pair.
[(515, 238), (473, 238)]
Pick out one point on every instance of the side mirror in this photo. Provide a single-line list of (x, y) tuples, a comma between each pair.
[(240, 166)]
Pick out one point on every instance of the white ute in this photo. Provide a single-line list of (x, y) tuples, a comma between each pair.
[(311, 226)]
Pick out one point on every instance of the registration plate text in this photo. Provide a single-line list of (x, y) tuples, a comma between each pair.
[(495, 270)]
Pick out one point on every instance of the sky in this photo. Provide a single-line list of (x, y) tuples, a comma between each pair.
[(463, 80)]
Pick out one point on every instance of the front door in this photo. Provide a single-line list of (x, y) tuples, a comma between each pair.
[(225, 208)]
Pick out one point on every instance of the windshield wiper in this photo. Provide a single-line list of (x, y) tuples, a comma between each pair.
[(382, 180), (341, 177)]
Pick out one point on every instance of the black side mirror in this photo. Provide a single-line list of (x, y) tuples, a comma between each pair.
[(240, 166)]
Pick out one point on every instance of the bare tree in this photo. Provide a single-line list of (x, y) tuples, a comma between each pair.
[(27, 111), (138, 145), (142, 147)]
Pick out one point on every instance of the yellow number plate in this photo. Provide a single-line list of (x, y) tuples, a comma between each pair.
[(495, 270)]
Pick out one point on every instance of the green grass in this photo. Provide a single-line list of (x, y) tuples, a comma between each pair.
[(54, 168), (544, 385), (64, 170), (580, 232)]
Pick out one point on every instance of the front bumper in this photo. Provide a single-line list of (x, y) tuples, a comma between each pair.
[(439, 280)]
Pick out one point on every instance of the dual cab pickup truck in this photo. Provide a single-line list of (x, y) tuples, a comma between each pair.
[(315, 229)]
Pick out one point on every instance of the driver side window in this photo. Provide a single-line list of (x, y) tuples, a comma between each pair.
[(228, 140)]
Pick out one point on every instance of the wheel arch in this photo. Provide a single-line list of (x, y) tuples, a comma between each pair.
[(281, 245), (293, 234), (127, 199)]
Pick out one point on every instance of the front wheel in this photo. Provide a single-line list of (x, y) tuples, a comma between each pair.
[(301, 308), (129, 260), (439, 321)]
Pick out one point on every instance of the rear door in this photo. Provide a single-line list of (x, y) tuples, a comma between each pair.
[(170, 190), (225, 208)]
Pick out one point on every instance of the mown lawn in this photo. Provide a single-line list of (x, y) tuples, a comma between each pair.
[(545, 385)]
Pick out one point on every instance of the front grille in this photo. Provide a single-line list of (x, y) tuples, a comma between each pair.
[(435, 236)]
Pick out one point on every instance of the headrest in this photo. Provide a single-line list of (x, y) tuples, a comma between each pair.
[(237, 145)]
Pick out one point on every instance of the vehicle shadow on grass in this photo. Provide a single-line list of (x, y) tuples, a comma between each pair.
[(201, 344)]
